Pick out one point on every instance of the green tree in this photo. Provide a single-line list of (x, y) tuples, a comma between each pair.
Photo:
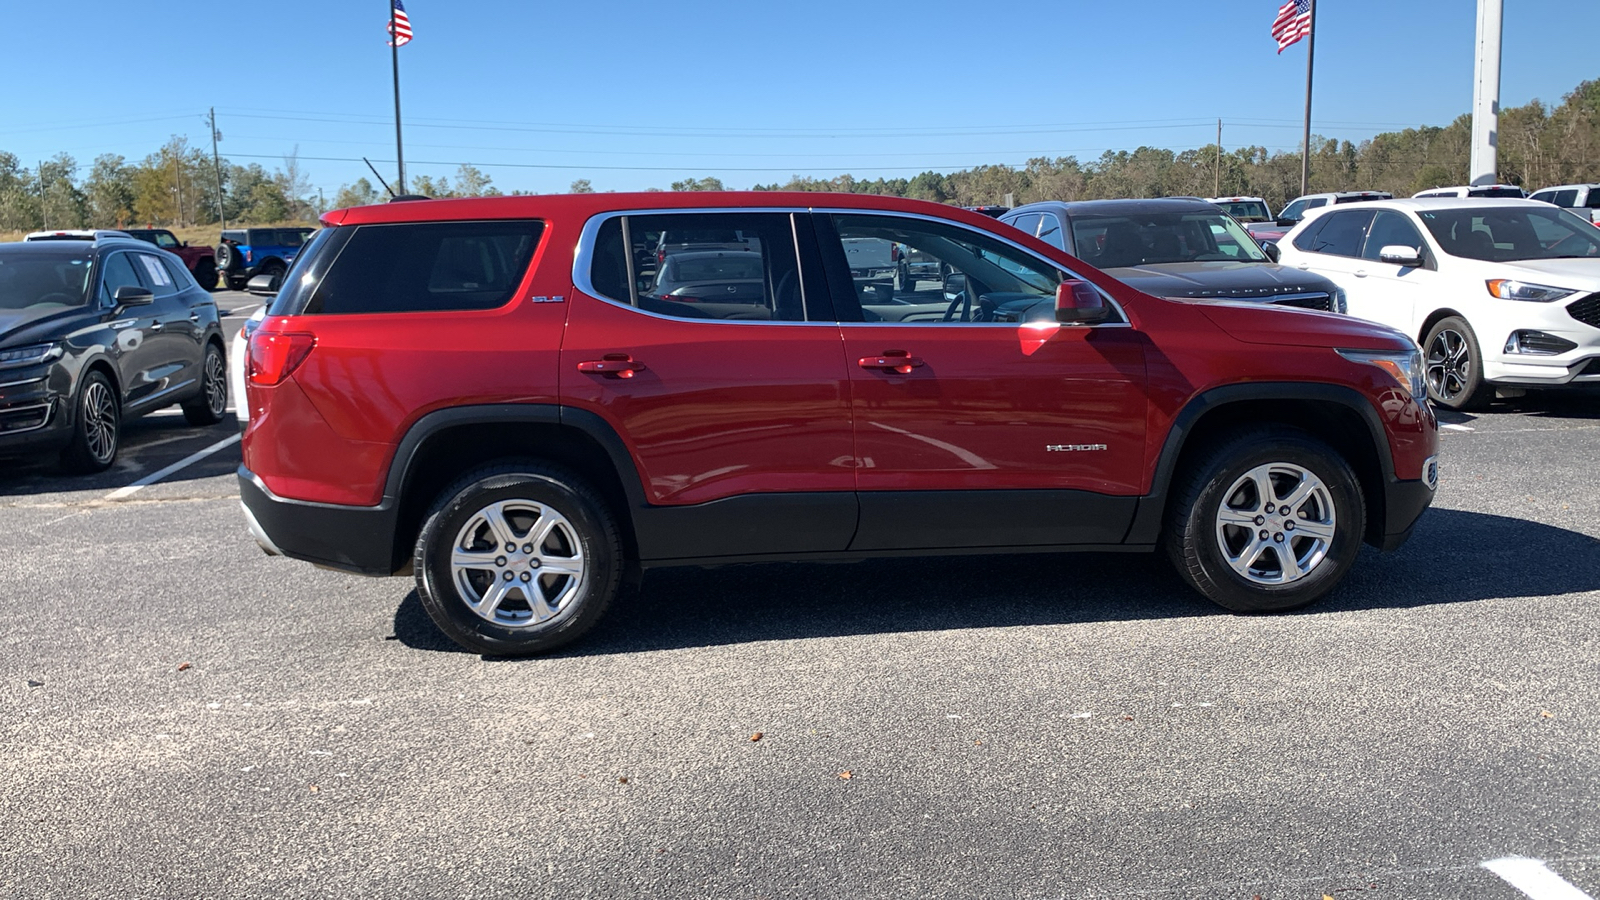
[(108, 192), (362, 193), (581, 186)]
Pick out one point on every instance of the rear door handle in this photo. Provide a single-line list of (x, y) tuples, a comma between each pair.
[(1361, 273), (891, 361), (155, 326), (123, 323), (613, 365)]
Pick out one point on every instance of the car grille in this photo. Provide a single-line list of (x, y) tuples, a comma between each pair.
[(1306, 301), (1586, 310)]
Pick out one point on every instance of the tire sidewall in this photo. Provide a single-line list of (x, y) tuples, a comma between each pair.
[(595, 531), (77, 457), (1233, 590)]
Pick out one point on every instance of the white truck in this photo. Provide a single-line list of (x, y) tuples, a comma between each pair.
[(1582, 199)]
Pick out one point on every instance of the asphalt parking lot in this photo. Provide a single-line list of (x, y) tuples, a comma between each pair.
[(182, 716)]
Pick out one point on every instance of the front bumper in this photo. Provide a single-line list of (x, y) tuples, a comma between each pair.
[(33, 417), (1405, 502), (356, 539)]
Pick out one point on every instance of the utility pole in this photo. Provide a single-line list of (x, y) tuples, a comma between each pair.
[(1218, 192), (1305, 153), (216, 161), (44, 205), (1485, 162)]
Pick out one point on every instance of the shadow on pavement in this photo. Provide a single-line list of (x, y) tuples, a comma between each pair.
[(149, 444), (1453, 557)]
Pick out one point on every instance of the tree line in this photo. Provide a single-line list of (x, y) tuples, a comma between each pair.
[(1539, 145)]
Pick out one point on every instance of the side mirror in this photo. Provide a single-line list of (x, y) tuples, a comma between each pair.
[(1290, 222), (955, 284), (186, 243), (262, 285), (1401, 255), (133, 295), (1270, 248), (1079, 303)]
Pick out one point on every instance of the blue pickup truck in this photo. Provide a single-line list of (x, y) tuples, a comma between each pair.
[(247, 252)]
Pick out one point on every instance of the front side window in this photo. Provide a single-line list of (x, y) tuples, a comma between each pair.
[(117, 272), (1567, 199), (739, 266), (1390, 229), (425, 267), (1050, 231), (1027, 223), (1512, 233), (1342, 233), (1295, 210), (1594, 199), (997, 283), (165, 240)]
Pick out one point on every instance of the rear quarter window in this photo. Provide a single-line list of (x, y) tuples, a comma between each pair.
[(429, 267)]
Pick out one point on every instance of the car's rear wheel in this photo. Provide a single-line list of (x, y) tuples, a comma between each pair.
[(206, 274), (518, 558), (1453, 363), (903, 281), (1269, 519), (211, 404), (96, 427)]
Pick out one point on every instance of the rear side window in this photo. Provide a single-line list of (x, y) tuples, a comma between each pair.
[(155, 275), (705, 266), (425, 267), (1567, 199)]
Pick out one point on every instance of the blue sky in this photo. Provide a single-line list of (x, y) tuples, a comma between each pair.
[(633, 95)]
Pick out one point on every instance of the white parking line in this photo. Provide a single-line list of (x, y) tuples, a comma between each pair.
[(1534, 878), (153, 477), (1453, 427)]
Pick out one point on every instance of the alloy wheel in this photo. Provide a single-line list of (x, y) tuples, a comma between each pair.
[(1449, 365), (216, 384), (99, 422), (517, 564), (1276, 523)]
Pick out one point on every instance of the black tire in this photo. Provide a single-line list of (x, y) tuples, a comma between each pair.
[(96, 427), (1219, 484), (236, 284), (228, 259), (580, 527), (903, 282), (211, 404), (1453, 363), (276, 270), (205, 272)]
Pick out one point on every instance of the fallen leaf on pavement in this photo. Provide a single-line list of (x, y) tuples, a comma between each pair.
[(755, 737), (184, 667), (846, 775), (622, 780), (1547, 714)]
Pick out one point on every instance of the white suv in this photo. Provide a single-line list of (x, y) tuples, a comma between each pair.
[(1583, 199), (1497, 292)]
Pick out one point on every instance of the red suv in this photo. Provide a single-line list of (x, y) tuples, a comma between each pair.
[(489, 393)]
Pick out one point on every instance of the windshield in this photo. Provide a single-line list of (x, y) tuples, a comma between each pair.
[(1247, 210), (1509, 234), (43, 280), (1138, 239)]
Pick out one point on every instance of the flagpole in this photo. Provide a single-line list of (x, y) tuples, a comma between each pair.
[(1305, 152), (399, 149)]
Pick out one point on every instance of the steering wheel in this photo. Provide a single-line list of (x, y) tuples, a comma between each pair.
[(59, 298), (962, 301), (1569, 237)]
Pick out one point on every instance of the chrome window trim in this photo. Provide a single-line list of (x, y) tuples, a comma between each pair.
[(583, 261)]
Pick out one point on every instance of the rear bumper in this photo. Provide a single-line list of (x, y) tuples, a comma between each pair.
[(356, 539)]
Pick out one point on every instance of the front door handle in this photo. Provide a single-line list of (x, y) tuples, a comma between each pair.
[(613, 365), (1361, 273), (892, 361), (155, 326), (123, 323)]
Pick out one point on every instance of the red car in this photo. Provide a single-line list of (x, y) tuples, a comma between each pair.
[(488, 393)]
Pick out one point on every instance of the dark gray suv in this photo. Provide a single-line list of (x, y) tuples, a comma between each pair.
[(1174, 247), (93, 332)]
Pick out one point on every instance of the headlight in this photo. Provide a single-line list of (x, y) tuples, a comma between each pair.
[(29, 355), (1336, 301), (1507, 289), (1404, 366)]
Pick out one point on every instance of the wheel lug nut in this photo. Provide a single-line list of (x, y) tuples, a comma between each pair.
[(509, 576), (1264, 534), (1288, 526), (500, 561), (1278, 537), (527, 548), (526, 577), (1269, 507), (511, 548), (1261, 520)]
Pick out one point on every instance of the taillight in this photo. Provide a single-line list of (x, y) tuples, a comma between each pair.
[(894, 253), (247, 255), (273, 356)]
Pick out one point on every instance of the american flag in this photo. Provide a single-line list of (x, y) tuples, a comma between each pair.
[(1292, 24), (399, 27)]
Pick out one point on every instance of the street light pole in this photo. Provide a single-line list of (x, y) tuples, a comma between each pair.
[(1485, 165)]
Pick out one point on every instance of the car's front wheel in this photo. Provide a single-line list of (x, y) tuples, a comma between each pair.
[(517, 559), (205, 272), (1453, 365), (96, 427), (1269, 519)]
